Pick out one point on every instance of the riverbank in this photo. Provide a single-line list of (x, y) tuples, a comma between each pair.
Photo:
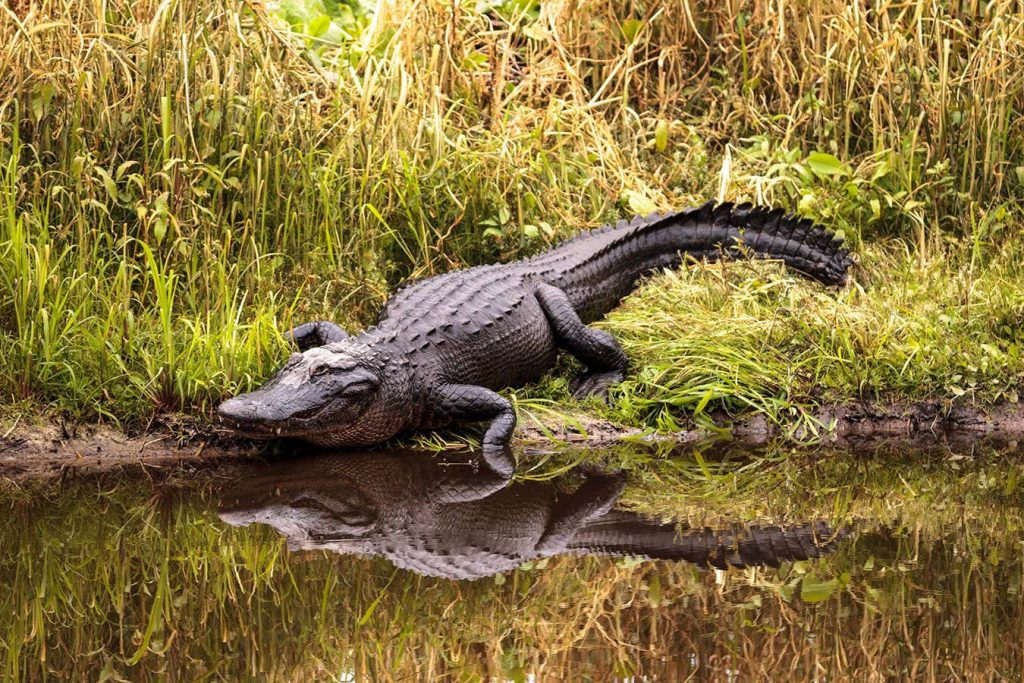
[(43, 451), (745, 349)]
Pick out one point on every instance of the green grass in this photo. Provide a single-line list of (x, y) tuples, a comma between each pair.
[(181, 181), (726, 337)]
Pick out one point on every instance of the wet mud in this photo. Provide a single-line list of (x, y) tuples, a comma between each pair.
[(47, 450)]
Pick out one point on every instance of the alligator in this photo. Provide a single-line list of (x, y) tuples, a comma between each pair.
[(443, 346), (454, 519)]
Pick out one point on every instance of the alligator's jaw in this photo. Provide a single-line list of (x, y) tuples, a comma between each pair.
[(256, 418), (259, 416)]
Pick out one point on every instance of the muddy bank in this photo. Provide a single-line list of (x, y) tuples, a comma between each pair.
[(851, 424), (44, 451), (847, 425)]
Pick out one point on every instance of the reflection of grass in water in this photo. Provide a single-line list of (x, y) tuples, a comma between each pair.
[(935, 487), (101, 577)]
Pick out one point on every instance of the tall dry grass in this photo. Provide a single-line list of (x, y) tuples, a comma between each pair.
[(179, 180)]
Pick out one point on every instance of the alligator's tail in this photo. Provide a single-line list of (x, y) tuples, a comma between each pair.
[(626, 533), (598, 268)]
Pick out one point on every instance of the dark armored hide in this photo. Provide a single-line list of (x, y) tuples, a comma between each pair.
[(443, 346)]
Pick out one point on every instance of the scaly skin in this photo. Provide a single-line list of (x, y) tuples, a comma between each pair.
[(443, 346), (458, 521)]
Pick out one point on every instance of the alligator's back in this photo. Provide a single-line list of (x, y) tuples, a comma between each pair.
[(481, 326), (598, 267), (453, 296)]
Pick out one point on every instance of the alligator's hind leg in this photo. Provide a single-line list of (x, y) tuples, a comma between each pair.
[(465, 402), (606, 362), (318, 333)]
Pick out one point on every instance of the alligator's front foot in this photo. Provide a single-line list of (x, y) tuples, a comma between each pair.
[(596, 384), (469, 402)]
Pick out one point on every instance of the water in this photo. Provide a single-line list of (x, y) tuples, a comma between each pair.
[(889, 564)]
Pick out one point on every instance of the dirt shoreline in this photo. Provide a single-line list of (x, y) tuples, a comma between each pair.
[(48, 450)]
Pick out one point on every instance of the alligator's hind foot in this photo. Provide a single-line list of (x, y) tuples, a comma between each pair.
[(595, 384)]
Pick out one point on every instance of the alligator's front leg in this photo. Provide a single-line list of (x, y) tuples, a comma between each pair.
[(606, 362), (468, 403), (319, 333)]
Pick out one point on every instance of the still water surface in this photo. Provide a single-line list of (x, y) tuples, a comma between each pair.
[(709, 564)]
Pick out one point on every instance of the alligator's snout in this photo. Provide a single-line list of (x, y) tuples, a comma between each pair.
[(249, 414), (240, 409)]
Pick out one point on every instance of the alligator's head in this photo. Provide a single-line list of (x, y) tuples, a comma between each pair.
[(322, 395)]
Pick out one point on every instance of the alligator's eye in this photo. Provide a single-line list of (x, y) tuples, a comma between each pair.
[(320, 371)]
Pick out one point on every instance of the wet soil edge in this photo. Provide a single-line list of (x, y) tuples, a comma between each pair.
[(46, 450), (851, 425)]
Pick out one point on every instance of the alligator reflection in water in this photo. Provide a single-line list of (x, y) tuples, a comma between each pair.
[(452, 519)]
